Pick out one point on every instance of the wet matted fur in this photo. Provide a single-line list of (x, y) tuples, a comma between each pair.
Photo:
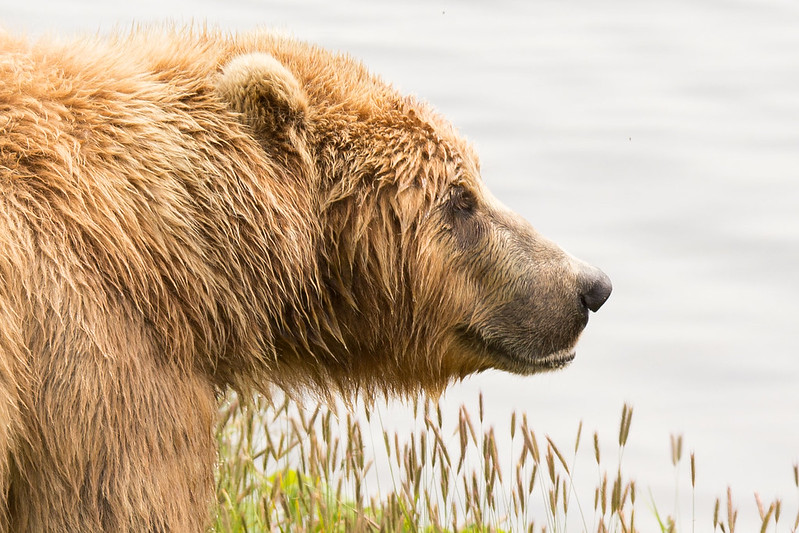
[(186, 211)]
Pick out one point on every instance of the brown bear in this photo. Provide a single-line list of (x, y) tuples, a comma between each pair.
[(185, 211)]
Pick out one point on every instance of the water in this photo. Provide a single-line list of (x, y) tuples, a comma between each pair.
[(658, 140)]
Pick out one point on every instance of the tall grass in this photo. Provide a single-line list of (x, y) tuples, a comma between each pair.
[(283, 467)]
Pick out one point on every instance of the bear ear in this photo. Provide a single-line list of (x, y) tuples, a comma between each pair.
[(259, 87)]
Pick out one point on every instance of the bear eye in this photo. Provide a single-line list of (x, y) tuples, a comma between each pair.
[(461, 201)]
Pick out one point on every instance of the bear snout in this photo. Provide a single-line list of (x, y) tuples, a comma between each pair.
[(595, 287)]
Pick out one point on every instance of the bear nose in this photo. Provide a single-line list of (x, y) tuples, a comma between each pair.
[(596, 288)]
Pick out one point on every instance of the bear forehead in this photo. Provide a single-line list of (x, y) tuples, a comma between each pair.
[(410, 153), (412, 144)]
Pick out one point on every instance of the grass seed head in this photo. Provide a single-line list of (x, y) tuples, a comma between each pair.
[(676, 449), (513, 425), (596, 447), (624, 425), (759, 503), (558, 454), (767, 518), (615, 495)]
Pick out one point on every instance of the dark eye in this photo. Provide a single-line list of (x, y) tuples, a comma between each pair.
[(461, 201)]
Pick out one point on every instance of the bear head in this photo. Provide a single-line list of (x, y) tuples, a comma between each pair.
[(421, 275)]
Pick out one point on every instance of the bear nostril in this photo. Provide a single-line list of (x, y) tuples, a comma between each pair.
[(596, 289)]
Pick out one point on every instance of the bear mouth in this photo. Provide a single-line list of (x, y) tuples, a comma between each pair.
[(509, 358)]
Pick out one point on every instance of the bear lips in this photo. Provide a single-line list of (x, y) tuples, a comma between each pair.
[(502, 356)]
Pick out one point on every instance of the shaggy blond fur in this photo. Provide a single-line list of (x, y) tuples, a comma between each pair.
[(182, 212)]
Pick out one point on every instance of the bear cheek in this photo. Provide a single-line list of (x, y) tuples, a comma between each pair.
[(527, 303)]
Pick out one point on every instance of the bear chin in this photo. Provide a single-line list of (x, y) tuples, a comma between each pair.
[(500, 355)]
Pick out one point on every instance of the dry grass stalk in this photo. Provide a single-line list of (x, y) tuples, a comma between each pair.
[(494, 455), (767, 518), (732, 513), (551, 464), (562, 460), (280, 465)]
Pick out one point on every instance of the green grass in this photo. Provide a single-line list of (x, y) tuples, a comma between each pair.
[(284, 468)]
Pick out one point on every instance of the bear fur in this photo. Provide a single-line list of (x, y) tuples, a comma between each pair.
[(182, 212)]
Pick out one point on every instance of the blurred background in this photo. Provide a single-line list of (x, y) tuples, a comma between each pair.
[(658, 140)]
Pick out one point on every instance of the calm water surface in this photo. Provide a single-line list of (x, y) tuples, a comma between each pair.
[(658, 140)]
